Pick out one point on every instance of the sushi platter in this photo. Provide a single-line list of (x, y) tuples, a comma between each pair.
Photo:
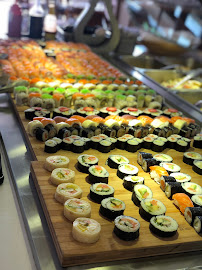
[(109, 247)]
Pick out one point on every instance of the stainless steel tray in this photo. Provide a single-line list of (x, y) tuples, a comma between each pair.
[(142, 62)]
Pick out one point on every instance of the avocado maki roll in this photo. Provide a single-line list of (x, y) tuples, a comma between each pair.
[(104, 146), (98, 174), (121, 142), (158, 145), (143, 155), (141, 192), (58, 141), (181, 177), (197, 166), (132, 145), (126, 169), (130, 181), (181, 145), (163, 158), (50, 146), (191, 212), (114, 161), (113, 142), (126, 228), (111, 208), (100, 191), (151, 207), (163, 226), (172, 188), (85, 161), (78, 146)]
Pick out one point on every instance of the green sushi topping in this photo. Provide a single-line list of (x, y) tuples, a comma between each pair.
[(34, 90), (46, 96), (60, 175), (120, 97), (59, 90), (20, 89), (85, 91)]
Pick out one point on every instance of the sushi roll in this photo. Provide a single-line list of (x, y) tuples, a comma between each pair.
[(190, 157), (191, 188), (126, 228), (87, 133), (111, 208), (191, 212), (86, 230), (197, 200), (98, 174), (172, 188), (110, 132), (163, 158), (62, 175), (85, 161), (163, 226), (156, 172), (151, 207), (59, 142), (67, 143), (33, 126), (170, 167), (114, 161), (147, 163), (113, 142), (185, 132), (126, 169), (41, 134), (158, 145), (53, 162), (197, 141), (171, 143), (51, 146), (143, 155), (188, 142), (181, 145), (51, 130), (104, 146), (75, 208), (147, 142), (78, 146), (197, 166), (66, 191), (181, 201), (105, 111), (198, 224), (100, 191), (164, 179), (121, 142), (130, 181), (141, 192), (29, 114), (87, 144), (132, 145), (95, 141), (181, 177)]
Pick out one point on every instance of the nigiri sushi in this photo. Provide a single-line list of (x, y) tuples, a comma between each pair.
[(145, 120), (156, 172), (181, 200)]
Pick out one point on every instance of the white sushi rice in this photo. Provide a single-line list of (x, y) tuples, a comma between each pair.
[(181, 177), (62, 175), (170, 167), (197, 199), (128, 169), (163, 158), (192, 188), (154, 209), (53, 162), (67, 191), (74, 208), (118, 159)]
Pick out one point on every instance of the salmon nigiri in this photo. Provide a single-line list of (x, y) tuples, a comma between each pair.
[(145, 120), (156, 172), (182, 201)]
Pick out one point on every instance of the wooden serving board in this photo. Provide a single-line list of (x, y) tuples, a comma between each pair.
[(109, 247)]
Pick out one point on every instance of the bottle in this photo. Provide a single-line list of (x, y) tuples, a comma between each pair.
[(15, 20), (50, 23), (36, 14), (25, 18)]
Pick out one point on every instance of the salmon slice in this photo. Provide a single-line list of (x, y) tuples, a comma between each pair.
[(181, 200)]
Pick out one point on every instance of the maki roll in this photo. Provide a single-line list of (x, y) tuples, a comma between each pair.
[(67, 143), (197, 166), (130, 181), (171, 143), (111, 208), (104, 146), (110, 132), (147, 142), (85, 161), (63, 133), (164, 179), (190, 157), (53, 162), (62, 175), (95, 141), (86, 230), (87, 143), (126, 169), (29, 114), (74, 208), (172, 188), (188, 142), (147, 163), (181, 145), (141, 192), (198, 224), (51, 130), (51, 146), (163, 226), (163, 158), (41, 134), (58, 141), (78, 146), (158, 145), (197, 141), (181, 177), (126, 228), (67, 191), (121, 142), (143, 155), (87, 133), (100, 191), (191, 212), (197, 200), (185, 132), (113, 142), (32, 127), (151, 207), (114, 161), (98, 174), (191, 189), (132, 145), (170, 167)]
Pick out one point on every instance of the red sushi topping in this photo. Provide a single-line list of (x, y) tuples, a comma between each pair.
[(64, 109), (152, 110), (88, 109), (172, 110), (132, 109), (111, 109)]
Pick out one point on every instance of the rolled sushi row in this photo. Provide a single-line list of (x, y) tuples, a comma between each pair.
[(194, 159)]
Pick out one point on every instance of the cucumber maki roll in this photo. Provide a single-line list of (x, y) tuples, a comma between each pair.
[(111, 208), (190, 157), (98, 174), (181, 177), (163, 226), (147, 142), (148, 163), (130, 181), (121, 142), (191, 212), (113, 142), (151, 207), (104, 146), (78, 146), (85, 161), (87, 143), (164, 179), (163, 158), (143, 155), (198, 224), (95, 141), (126, 169), (126, 228), (100, 191), (114, 161), (171, 143), (58, 141), (197, 166), (172, 188), (197, 141), (141, 192), (197, 200), (191, 189), (170, 167), (63, 133)]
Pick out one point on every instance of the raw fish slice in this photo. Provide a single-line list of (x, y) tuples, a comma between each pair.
[(182, 201)]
